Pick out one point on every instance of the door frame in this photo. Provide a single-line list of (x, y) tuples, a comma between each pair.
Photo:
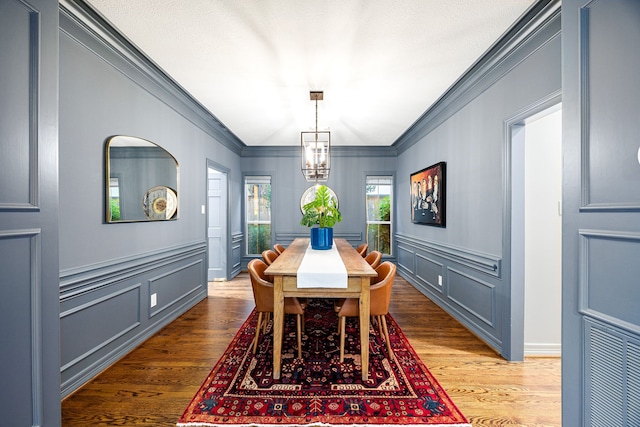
[(513, 226), (210, 164)]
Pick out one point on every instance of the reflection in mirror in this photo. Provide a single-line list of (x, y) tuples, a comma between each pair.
[(141, 181)]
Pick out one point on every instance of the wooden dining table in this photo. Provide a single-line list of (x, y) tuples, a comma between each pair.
[(284, 272)]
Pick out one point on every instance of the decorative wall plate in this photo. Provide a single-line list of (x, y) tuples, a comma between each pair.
[(160, 203), (310, 194)]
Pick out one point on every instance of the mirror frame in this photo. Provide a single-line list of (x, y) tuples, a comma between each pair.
[(157, 199)]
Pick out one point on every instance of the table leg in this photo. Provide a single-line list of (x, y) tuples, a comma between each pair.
[(364, 326), (278, 323)]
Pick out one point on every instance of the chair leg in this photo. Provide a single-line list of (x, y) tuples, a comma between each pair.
[(299, 326), (341, 323), (255, 339), (379, 323), (386, 337), (266, 322)]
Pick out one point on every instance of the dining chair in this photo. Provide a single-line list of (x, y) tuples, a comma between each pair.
[(380, 299), (374, 258), (278, 248), (269, 256), (263, 296), (362, 249)]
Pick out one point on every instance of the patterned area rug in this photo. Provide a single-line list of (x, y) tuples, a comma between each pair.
[(319, 390)]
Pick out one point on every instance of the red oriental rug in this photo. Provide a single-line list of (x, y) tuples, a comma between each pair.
[(319, 390)]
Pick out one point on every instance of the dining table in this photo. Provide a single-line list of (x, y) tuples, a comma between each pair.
[(284, 271)]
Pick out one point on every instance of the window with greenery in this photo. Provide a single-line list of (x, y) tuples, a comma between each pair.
[(257, 191), (379, 198)]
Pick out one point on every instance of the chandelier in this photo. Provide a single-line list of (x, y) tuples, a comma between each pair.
[(315, 146)]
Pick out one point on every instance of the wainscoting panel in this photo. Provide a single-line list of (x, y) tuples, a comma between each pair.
[(430, 272), (406, 258), (466, 284), (473, 295), (236, 253), (84, 331), (603, 255), (175, 285), (20, 319), (106, 309)]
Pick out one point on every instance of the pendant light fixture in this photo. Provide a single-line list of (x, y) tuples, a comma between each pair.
[(315, 146)]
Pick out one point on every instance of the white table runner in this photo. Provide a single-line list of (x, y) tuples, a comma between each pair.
[(322, 269)]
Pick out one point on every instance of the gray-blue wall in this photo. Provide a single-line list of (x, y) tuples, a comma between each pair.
[(109, 271), (467, 130)]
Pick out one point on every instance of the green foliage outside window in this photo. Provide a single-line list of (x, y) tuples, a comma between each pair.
[(115, 209), (259, 238), (258, 214), (379, 235)]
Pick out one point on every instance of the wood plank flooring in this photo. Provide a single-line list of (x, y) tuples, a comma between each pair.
[(153, 384)]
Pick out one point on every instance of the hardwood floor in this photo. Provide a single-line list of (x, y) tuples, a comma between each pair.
[(152, 385)]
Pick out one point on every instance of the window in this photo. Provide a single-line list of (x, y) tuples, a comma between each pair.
[(379, 198), (257, 191)]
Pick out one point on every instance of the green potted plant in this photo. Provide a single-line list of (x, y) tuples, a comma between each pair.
[(323, 212)]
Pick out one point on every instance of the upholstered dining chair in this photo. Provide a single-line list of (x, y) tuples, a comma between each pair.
[(380, 299), (263, 296), (278, 248), (362, 249), (269, 256), (374, 258)]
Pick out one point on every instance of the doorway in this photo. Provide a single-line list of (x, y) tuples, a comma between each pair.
[(217, 222), (536, 231), (543, 236)]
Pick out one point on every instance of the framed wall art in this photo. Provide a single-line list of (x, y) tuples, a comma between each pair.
[(428, 194)]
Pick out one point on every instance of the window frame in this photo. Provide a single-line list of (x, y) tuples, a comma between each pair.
[(379, 177), (259, 178)]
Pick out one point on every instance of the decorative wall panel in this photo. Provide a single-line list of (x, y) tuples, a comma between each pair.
[(19, 33), (176, 284), (429, 272), (474, 295), (20, 317), (86, 330), (605, 255), (406, 259), (611, 175)]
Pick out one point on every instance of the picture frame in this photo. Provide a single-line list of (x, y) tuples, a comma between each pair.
[(428, 195)]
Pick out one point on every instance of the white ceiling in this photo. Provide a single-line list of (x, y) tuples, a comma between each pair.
[(252, 63)]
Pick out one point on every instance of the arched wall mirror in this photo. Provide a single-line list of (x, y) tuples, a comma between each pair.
[(141, 181)]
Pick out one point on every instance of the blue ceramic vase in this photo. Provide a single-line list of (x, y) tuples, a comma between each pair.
[(321, 238)]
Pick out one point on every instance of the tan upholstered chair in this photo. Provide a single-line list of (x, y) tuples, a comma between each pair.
[(269, 256), (362, 249), (263, 296), (278, 248), (380, 299), (374, 258)]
